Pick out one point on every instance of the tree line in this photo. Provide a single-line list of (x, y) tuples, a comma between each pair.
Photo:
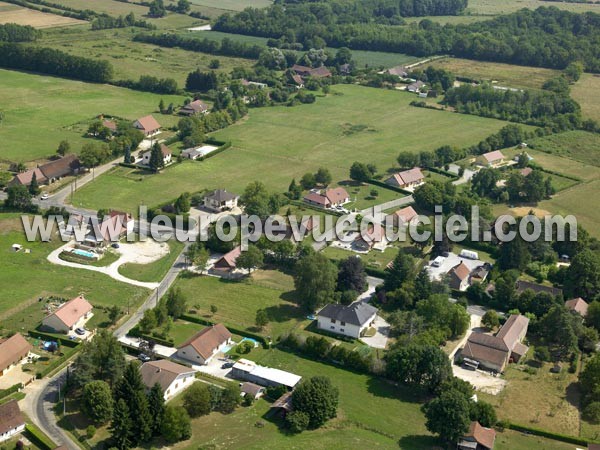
[(105, 21), (54, 62), (546, 37), (541, 108), (11, 32), (226, 47)]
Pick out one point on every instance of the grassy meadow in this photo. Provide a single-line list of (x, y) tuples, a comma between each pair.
[(495, 7), (27, 276), (233, 5), (352, 123), (505, 74), (40, 112), (131, 59), (587, 93)]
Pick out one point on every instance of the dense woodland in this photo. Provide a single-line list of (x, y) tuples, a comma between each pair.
[(546, 37), (12, 32)]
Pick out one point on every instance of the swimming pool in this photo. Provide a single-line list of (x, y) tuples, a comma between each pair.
[(254, 341), (84, 253)]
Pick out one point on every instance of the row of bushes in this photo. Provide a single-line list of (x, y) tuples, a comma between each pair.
[(53, 337), (244, 333), (374, 272), (35, 435), (442, 172), (384, 185), (135, 332), (322, 349), (11, 390), (548, 434), (222, 147)]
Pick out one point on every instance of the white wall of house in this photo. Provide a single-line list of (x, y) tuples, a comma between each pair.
[(56, 325), (146, 158), (213, 204), (10, 433), (180, 383), (346, 329), (189, 353)]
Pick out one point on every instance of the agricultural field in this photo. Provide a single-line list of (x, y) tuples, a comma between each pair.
[(505, 74), (10, 13), (347, 125), (495, 7), (131, 59), (25, 277), (233, 5), (581, 146), (587, 93), (39, 112)]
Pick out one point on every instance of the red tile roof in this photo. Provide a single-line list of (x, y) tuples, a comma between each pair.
[(405, 214), (337, 195), (461, 271), (208, 340), (578, 305), (70, 312), (24, 178), (316, 197), (147, 123), (12, 350), (228, 260), (483, 436), (493, 156)]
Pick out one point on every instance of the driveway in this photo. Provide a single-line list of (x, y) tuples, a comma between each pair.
[(380, 339), (138, 252), (482, 380)]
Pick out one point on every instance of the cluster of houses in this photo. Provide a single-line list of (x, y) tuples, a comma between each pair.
[(50, 172), (98, 234)]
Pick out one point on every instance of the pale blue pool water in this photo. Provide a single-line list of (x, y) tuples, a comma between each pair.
[(254, 341), (84, 253)]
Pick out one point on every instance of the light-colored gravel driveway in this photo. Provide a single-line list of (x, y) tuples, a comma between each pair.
[(136, 252)]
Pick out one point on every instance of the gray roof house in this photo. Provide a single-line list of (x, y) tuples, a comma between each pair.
[(348, 320), (220, 200)]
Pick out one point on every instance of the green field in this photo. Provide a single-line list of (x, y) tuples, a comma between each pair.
[(238, 302), (156, 270), (505, 74), (40, 111), (131, 59), (587, 93), (27, 276), (287, 142), (362, 57), (495, 7), (233, 5), (580, 146)]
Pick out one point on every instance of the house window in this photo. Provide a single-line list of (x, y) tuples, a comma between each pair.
[(342, 323), (332, 320), (332, 327), (341, 330)]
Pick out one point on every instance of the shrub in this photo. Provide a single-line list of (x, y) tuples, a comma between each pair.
[(591, 413), (90, 431), (244, 348), (297, 421), (542, 354)]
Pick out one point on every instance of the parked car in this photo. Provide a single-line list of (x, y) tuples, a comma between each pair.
[(80, 331), (44, 196), (227, 365), (115, 245), (144, 358)]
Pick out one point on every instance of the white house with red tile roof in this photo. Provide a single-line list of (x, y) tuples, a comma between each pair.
[(337, 196), (69, 316), (13, 350), (147, 125), (407, 178), (167, 155), (172, 377), (491, 159), (203, 346)]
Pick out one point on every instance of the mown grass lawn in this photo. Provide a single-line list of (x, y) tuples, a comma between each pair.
[(238, 301), (587, 93), (156, 270), (25, 277), (40, 111), (580, 146), (286, 142)]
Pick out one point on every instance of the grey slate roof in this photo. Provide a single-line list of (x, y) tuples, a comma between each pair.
[(356, 314), (221, 195)]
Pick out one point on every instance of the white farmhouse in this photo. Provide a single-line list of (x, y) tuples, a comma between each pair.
[(349, 320), (11, 420), (172, 377), (69, 316), (203, 346)]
